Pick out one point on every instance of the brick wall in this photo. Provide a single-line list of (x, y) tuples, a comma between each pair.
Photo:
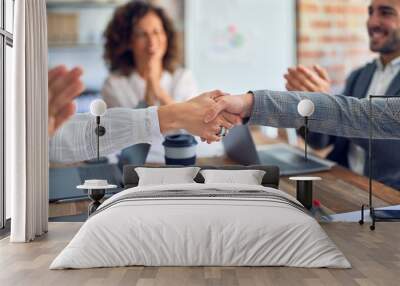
[(333, 33)]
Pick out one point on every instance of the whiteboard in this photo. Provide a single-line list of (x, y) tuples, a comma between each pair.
[(238, 45)]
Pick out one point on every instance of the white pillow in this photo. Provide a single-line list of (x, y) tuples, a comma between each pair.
[(166, 176), (248, 177)]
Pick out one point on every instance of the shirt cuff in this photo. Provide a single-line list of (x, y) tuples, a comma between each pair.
[(247, 120), (152, 121), (258, 110)]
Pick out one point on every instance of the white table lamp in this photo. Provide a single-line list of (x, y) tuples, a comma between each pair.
[(98, 108), (305, 108)]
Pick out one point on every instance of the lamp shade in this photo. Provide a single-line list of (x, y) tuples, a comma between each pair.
[(98, 107), (305, 108)]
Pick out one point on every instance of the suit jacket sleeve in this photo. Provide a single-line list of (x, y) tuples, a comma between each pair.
[(318, 140), (334, 115)]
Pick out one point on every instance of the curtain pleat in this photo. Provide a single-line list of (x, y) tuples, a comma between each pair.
[(29, 157), (44, 170), (16, 132)]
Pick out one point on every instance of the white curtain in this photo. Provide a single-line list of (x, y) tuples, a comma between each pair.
[(27, 139)]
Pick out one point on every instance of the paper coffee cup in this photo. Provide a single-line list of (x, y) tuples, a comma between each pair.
[(180, 149)]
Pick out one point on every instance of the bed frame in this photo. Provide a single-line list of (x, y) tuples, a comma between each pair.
[(270, 179)]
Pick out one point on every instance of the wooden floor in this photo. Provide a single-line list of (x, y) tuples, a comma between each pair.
[(374, 255)]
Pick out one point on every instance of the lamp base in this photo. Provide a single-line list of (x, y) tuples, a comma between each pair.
[(95, 196), (100, 130)]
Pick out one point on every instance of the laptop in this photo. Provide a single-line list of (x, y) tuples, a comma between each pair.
[(240, 147), (134, 155)]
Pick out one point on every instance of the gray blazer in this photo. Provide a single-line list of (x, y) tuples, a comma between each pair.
[(385, 166), (336, 115)]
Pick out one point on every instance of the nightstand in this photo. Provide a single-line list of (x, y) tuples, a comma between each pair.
[(96, 190), (304, 190)]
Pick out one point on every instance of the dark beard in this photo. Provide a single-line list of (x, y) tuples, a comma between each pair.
[(391, 46)]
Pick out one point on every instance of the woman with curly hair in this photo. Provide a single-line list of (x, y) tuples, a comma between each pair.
[(141, 52)]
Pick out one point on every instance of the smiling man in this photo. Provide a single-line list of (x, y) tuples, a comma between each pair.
[(380, 77)]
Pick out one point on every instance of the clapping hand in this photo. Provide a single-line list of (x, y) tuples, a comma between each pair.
[(154, 91), (63, 85), (315, 79)]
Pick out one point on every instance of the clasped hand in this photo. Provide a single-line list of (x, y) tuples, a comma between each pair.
[(204, 115), (207, 113)]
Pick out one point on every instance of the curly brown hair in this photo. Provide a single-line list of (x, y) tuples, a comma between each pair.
[(118, 37)]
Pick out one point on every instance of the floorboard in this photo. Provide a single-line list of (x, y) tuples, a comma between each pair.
[(374, 255)]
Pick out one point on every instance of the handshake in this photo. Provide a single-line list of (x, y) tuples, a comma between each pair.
[(209, 115)]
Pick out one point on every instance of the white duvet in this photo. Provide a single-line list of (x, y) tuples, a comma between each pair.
[(190, 231)]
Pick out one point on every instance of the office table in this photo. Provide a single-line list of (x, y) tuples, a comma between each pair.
[(339, 191)]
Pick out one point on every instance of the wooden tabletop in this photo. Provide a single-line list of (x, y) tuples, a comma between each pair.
[(340, 189)]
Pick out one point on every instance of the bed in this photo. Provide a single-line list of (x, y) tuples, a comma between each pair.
[(197, 224)]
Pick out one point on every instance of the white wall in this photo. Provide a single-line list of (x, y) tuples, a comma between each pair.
[(88, 53), (237, 45)]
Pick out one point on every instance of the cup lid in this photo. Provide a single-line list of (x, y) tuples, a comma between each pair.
[(179, 140)]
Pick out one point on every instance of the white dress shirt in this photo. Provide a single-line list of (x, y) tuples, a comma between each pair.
[(379, 85), (76, 139), (123, 91)]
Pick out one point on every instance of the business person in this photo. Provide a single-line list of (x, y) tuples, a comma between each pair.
[(334, 115), (380, 77), (76, 140), (141, 52)]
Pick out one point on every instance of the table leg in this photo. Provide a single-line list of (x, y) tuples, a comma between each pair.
[(304, 193)]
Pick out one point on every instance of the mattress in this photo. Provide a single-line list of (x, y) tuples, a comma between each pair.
[(201, 225)]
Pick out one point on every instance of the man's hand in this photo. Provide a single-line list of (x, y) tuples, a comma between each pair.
[(190, 115), (63, 86), (240, 105), (315, 79)]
